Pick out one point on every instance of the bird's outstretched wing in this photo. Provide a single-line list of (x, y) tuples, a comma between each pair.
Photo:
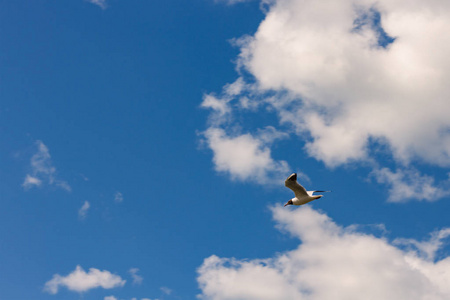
[(312, 192), (291, 182)]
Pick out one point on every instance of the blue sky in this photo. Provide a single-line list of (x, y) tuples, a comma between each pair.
[(144, 145)]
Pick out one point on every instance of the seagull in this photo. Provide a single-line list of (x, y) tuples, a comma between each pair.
[(302, 196)]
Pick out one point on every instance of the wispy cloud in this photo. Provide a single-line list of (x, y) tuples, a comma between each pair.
[(82, 212), (427, 249), (408, 184), (82, 281), (137, 279), (218, 105), (31, 181), (330, 260), (118, 197), (166, 290), (231, 2), (110, 298), (101, 3), (43, 171)]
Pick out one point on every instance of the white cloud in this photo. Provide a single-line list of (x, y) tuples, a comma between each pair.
[(118, 197), (166, 290), (219, 105), (331, 263), (31, 181), (110, 298), (270, 134), (351, 88), (42, 170), (235, 88), (409, 184), (101, 3), (82, 212), (64, 185), (80, 281), (427, 249), (347, 74), (245, 156), (137, 279), (231, 2)]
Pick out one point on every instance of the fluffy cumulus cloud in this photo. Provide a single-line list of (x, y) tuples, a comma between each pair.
[(244, 156), (42, 170), (330, 55), (331, 263), (81, 281), (347, 75)]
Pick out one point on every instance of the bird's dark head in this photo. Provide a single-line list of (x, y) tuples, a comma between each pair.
[(289, 203)]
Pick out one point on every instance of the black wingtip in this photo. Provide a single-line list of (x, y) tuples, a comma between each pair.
[(293, 177)]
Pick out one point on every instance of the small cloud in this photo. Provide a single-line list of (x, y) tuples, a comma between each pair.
[(165, 290), (83, 210), (31, 181), (42, 170), (110, 298), (82, 281), (409, 184), (231, 2), (269, 134), (246, 156), (101, 3), (118, 197), (137, 279), (216, 104), (64, 185)]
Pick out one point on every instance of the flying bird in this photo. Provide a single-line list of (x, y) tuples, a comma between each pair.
[(302, 196)]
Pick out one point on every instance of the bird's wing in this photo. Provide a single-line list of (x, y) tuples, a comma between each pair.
[(291, 182), (310, 193)]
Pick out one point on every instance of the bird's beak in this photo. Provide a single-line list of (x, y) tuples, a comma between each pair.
[(288, 203)]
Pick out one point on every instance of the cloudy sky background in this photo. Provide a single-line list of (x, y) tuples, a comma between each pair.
[(144, 147)]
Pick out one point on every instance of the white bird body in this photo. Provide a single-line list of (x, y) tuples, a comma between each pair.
[(302, 196)]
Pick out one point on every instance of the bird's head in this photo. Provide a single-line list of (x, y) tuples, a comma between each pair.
[(289, 203)]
